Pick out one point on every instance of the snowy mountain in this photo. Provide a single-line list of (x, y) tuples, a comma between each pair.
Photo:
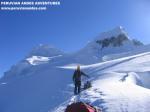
[(112, 42), (40, 55), (45, 50), (117, 64)]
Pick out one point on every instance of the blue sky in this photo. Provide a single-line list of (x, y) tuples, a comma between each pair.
[(69, 26)]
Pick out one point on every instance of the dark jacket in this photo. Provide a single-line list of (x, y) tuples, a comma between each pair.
[(77, 75)]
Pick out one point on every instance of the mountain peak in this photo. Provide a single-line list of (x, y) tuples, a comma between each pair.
[(118, 29), (112, 33), (45, 50), (111, 42)]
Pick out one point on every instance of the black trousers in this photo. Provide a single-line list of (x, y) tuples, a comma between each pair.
[(77, 88)]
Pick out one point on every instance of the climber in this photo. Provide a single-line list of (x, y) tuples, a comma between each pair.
[(77, 80)]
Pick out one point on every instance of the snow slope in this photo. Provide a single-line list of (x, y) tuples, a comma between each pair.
[(42, 81), (37, 60), (118, 85)]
